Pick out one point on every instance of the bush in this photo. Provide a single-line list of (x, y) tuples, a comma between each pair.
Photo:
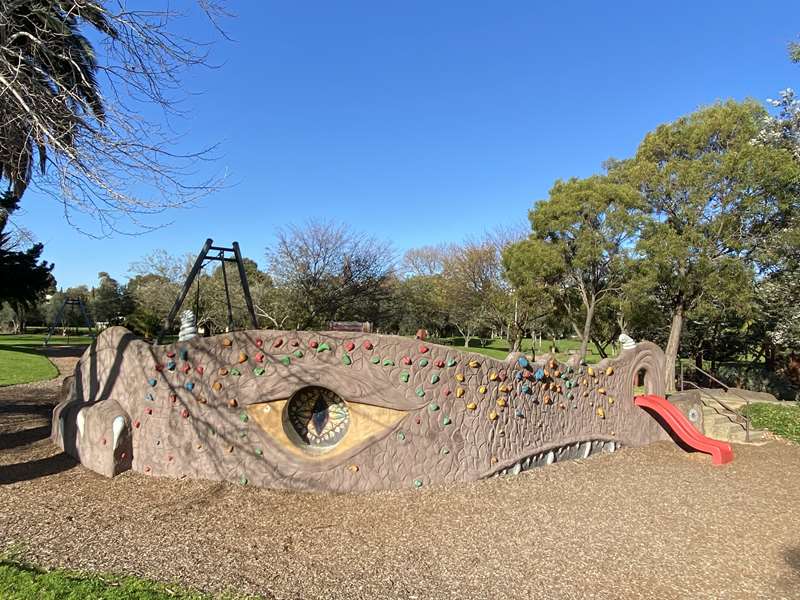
[(758, 379)]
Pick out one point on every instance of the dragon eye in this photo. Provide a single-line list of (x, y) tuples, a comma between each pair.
[(317, 426)]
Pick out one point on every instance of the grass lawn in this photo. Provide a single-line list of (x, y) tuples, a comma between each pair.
[(782, 420), (19, 581), (499, 348), (22, 361)]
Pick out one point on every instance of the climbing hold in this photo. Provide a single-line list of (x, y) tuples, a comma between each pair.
[(610, 371), (452, 362), (171, 365), (294, 343), (298, 353), (324, 346), (277, 343), (217, 386), (243, 417), (171, 354), (418, 483), (159, 368), (501, 402), (404, 376), (233, 403), (518, 413), (227, 342), (259, 452), (601, 390), (435, 378), (459, 377), (367, 345), (185, 413), (547, 399), (375, 360), (243, 480), (236, 372), (189, 386), (260, 357), (285, 360), (152, 382), (445, 451), (406, 360), (446, 421), (137, 424), (259, 342), (423, 362), (242, 357), (590, 372), (388, 362), (200, 370), (184, 354), (556, 373), (202, 400), (460, 392), (349, 346), (493, 376), (439, 363), (420, 392), (223, 371), (313, 344), (230, 448), (523, 362), (346, 360), (539, 374), (600, 412), (474, 364), (492, 416), (259, 371), (353, 468), (446, 391), (401, 435), (433, 407), (482, 389), (471, 406), (173, 398), (526, 389), (610, 400), (423, 349), (186, 367)]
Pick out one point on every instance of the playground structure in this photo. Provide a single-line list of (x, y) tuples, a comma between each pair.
[(59, 321), (350, 411)]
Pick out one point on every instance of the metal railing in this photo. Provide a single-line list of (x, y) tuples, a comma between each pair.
[(741, 418)]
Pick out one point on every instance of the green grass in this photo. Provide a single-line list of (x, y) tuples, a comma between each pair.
[(20, 581), (782, 420), (499, 348), (22, 360)]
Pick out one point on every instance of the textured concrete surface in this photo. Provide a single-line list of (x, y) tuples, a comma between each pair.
[(219, 408), (649, 522)]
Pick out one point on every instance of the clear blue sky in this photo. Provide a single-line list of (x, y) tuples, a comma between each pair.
[(426, 122)]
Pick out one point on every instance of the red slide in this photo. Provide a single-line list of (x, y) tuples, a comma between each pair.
[(720, 452)]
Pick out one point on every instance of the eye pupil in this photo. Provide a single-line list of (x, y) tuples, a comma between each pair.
[(319, 417)]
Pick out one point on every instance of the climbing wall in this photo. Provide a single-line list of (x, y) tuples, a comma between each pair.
[(339, 411)]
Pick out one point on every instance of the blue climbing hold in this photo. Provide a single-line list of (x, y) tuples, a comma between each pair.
[(539, 375), (519, 413), (526, 389), (184, 354), (152, 382), (171, 365), (189, 386), (519, 375), (523, 362)]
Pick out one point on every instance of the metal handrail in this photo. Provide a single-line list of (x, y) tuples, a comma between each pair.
[(728, 390)]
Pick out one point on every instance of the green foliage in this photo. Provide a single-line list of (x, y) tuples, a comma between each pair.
[(758, 378), (779, 419)]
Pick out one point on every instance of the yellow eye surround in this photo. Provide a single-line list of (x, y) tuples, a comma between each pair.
[(315, 426)]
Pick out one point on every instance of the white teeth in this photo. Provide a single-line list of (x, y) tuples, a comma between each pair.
[(117, 425), (515, 470), (570, 451), (81, 421), (550, 459), (586, 449), (609, 447), (526, 463)]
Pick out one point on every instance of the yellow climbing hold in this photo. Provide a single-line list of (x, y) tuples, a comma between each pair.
[(492, 416), (353, 468), (610, 400), (610, 371), (471, 406), (601, 390), (242, 357), (217, 386), (504, 388), (590, 372), (460, 392), (547, 400), (227, 342), (501, 402), (600, 412), (474, 364), (459, 377), (493, 376), (482, 389)]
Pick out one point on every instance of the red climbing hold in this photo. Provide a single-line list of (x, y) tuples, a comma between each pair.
[(186, 367), (406, 360), (259, 342), (423, 349), (313, 344), (136, 424), (260, 357), (199, 370), (349, 346), (148, 411), (277, 343), (439, 363), (367, 345), (173, 397), (446, 391), (185, 413), (159, 368)]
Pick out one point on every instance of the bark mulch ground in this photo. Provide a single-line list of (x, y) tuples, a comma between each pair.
[(650, 522)]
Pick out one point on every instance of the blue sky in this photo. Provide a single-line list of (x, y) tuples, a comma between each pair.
[(427, 122)]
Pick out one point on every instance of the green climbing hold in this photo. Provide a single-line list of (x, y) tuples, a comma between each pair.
[(433, 407), (435, 378), (259, 452), (323, 347), (452, 362), (418, 483), (375, 360), (236, 372), (404, 376), (446, 421), (243, 480), (388, 362), (445, 451), (258, 371), (420, 392), (243, 417), (401, 435), (423, 362), (286, 360), (346, 360), (298, 354)]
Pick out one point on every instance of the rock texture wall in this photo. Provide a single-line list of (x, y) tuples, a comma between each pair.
[(340, 411)]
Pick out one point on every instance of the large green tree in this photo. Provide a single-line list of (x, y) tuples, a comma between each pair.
[(579, 239), (714, 199)]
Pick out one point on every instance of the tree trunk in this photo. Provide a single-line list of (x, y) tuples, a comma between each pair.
[(587, 329), (672, 348)]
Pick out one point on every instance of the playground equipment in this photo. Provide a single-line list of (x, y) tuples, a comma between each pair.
[(58, 321), (351, 411)]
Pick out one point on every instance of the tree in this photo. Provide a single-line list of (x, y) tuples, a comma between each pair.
[(714, 199), (74, 116), (107, 299), (329, 273), (579, 239)]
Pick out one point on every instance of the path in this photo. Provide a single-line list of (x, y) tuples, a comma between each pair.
[(641, 523)]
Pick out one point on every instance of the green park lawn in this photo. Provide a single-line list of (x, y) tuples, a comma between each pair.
[(20, 581), (780, 419), (22, 360), (499, 348)]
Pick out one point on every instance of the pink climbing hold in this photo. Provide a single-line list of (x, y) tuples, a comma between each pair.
[(137, 424), (200, 370), (148, 411), (349, 346), (277, 343), (313, 344), (185, 413), (260, 357), (439, 363), (173, 397), (259, 342), (423, 349), (367, 345), (171, 354), (186, 367), (446, 391), (406, 360)]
